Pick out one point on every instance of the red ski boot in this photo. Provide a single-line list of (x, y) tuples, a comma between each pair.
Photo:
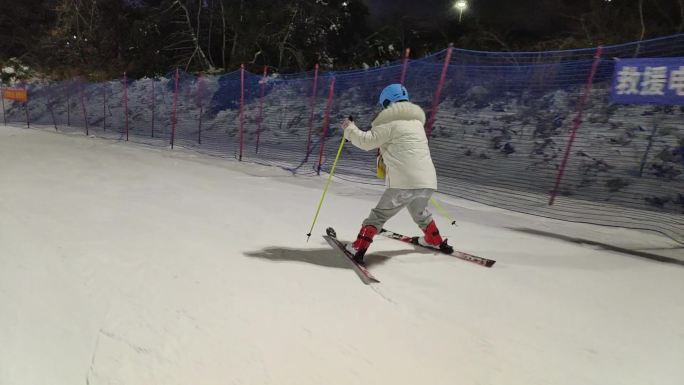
[(363, 240), (434, 240)]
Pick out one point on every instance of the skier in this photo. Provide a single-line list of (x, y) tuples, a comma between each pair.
[(410, 176)]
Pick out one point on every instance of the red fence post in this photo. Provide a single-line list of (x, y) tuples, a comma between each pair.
[(242, 107), (153, 105), (85, 115), (311, 117), (104, 108), (126, 103), (326, 120), (2, 97), (577, 122), (200, 92), (68, 86), (261, 107), (49, 104), (438, 92), (173, 114), (26, 107), (404, 65)]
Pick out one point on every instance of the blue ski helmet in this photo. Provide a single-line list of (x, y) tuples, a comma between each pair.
[(393, 93)]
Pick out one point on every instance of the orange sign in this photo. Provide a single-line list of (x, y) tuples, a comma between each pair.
[(16, 94)]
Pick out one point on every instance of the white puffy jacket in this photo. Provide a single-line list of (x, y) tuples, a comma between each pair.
[(399, 133)]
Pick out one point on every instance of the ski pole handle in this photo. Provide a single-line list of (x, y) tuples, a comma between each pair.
[(351, 119)]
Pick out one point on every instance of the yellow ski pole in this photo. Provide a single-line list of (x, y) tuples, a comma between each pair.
[(327, 184), (442, 212)]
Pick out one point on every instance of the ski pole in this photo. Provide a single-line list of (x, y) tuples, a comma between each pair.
[(325, 190), (442, 212)]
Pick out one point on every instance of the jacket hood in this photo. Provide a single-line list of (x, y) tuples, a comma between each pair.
[(400, 111)]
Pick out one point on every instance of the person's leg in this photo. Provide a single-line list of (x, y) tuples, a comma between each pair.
[(391, 202), (418, 208), (420, 214)]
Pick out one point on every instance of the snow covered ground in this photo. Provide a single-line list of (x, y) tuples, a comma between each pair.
[(499, 148), (127, 264)]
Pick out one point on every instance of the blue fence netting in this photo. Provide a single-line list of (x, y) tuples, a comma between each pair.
[(503, 123)]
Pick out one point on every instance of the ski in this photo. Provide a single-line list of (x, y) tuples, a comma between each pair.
[(458, 254), (360, 269)]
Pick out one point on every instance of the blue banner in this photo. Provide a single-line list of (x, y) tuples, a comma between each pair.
[(648, 81)]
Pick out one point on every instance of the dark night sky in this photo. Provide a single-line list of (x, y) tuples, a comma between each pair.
[(528, 15)]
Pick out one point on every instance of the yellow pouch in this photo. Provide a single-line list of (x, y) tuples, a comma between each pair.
[(380, 171)]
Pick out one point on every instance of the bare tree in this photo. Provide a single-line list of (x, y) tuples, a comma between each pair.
[(286, 35), (237, 29), (223, 35), (641, 19), (186, 41), (643, 28)]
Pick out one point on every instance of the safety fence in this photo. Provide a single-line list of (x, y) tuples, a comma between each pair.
[(533, 132)]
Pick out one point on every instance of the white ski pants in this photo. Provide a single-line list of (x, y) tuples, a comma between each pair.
[(393, 200)]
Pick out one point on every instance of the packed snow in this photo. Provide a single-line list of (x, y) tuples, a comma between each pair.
[(127, 264)]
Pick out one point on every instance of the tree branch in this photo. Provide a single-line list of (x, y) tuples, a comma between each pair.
[(223, 34), (198, 50), (288, 30), (643, 28), (641, 19), (211, 25)]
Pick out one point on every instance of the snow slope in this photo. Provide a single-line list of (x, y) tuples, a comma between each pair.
[(497, 146), (127, 264)]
